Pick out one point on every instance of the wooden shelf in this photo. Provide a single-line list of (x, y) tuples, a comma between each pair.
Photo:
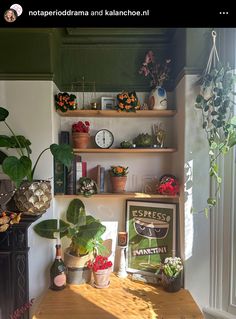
[(114, 113), (124, 150), (125, 195)]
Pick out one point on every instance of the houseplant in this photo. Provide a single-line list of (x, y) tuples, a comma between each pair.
[(65, 101), (216, 104), (80, 134), (159, 74), (118, 177), (101, 268), (171, 274), (127, 101), (20, 167), (85, 233)]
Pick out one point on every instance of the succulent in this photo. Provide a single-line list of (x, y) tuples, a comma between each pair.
[(143, 140), (126, 144)]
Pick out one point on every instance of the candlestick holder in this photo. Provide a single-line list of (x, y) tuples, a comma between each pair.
[(122, 267)]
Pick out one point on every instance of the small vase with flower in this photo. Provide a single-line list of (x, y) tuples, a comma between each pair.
[(159, 74), (101, 268), (118, 177), (172, 274)]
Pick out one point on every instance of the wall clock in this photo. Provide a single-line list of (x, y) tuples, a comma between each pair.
[(104, 138)]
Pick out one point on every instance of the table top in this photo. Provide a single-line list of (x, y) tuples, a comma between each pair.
[(123, 299)]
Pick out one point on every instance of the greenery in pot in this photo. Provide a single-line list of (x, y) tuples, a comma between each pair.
[(20, 166), (216, 104), (84, 230)]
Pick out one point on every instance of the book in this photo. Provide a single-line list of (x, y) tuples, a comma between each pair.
[(102, 179)]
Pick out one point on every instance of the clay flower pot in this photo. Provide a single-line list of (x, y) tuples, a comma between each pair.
[(171, 284), (80, 140), (118, 183), (102, 278)]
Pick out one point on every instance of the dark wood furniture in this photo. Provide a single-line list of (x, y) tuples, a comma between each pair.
[(14, 280)]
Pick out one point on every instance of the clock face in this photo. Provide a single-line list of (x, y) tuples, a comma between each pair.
[(104, 138)]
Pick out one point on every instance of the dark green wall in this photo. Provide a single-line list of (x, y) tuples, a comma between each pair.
[(109, 56)]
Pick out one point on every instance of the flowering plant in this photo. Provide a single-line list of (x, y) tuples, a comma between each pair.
[(158, 73), (172, 266), (65, 101), (168, 185), (119, 171), (81, 127), (127, 101), (99, 263), (8, 219)]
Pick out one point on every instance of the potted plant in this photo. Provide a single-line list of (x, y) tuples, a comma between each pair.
[(159, 73), (85, 233), (171, 274), (118, 176), (127, 102), (80, 134), (218, 121), (65, 101), (101, 268), (20, 167)]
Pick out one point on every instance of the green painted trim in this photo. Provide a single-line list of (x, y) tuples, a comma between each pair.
[(26, 77), (187, 71)]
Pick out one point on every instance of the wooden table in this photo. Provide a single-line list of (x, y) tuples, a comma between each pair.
[(124, 299)]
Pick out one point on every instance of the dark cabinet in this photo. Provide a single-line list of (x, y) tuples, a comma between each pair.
[(14, 279)]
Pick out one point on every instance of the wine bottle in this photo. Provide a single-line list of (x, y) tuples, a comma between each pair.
[(57, 271)]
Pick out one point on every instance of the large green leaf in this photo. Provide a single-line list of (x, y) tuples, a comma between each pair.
[(76, 212), (16, 168), (14, 141), (3, 114), (48, 228), (88, 234), (5, 141), (62, 153)]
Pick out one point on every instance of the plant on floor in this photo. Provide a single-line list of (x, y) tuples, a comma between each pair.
[(84, 230), (216, 104), (20, 166)]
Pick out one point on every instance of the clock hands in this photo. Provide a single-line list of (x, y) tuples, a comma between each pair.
[(103, 138)]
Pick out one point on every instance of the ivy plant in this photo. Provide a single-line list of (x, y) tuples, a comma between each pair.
[(216, 102)]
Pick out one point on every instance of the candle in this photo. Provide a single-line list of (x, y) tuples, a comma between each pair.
[(122, 238)]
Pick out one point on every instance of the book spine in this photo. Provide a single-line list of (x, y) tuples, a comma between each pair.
[(78, 172), (59, 178), (98, 177), (102, 179)]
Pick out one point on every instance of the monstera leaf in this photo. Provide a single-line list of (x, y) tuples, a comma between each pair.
[(62, 153)]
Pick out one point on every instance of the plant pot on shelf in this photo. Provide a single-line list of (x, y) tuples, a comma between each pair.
[(118, 183), (102, 277), (80, 140), (33, 198)]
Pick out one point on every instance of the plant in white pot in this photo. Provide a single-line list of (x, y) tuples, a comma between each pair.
[(85, 233), (31, 196)]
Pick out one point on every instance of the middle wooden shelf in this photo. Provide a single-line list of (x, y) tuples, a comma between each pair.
[(124, 150)]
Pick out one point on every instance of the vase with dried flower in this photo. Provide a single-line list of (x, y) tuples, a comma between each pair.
[(80, 134), (118, 177), (158, 74)]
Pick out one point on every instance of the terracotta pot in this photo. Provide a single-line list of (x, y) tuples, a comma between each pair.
[(118, 183), (80, 140), (102, 278)]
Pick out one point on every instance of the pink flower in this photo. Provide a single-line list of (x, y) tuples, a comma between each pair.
[(99, 263)]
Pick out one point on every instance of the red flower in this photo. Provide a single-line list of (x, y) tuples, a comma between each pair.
[(168, 185), (81, 127), (100, 262)]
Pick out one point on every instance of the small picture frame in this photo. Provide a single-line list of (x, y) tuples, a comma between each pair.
[(108, 103), (151, 228)]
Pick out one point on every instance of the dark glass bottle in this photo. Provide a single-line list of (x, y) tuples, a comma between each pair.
[(58, 271)]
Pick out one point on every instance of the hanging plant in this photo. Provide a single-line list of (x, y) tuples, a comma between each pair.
[(216, 102)]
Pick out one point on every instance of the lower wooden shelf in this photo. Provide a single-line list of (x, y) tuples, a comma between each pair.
[(125, 195)]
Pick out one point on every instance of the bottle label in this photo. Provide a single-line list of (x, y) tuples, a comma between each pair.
[(60, 280)]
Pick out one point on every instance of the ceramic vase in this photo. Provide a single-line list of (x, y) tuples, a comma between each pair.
[(118, 183), (158, 99), (80, 140), (171, 284), (102, 278)]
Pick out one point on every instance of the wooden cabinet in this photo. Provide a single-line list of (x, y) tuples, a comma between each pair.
[(14, 273)]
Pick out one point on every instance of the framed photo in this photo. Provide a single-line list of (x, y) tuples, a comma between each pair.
[(151, 228), (108, 103)]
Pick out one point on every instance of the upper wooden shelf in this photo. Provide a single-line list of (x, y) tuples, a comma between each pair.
[(114, 113), (124, 150)]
